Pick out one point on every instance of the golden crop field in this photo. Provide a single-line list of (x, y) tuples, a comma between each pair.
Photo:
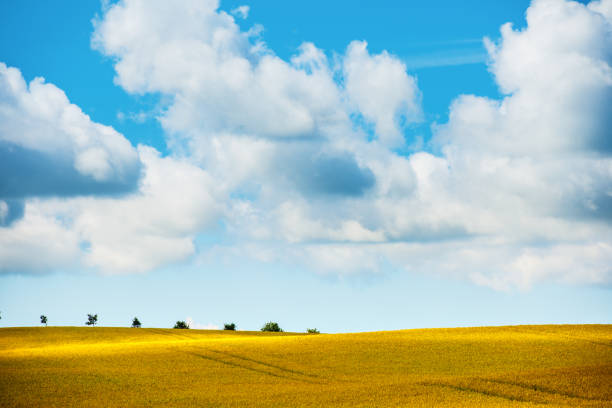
[(514, 366)]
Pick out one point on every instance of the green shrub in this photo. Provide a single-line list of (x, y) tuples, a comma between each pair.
[(181, 325), (91, 320), (271, 327), (313, 331), (229, 326)]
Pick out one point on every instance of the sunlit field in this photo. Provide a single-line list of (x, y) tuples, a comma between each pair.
[(494, 366)]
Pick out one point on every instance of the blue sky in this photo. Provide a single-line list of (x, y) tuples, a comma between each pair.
[(351, 167)]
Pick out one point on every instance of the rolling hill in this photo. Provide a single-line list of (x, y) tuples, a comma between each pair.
[(490, 366)]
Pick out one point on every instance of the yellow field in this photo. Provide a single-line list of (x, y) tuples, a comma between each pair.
[(495, 366)]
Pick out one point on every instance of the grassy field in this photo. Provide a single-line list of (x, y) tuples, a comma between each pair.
[(493, 366)]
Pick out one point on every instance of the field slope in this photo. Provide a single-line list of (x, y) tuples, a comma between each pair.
[(492, 366)]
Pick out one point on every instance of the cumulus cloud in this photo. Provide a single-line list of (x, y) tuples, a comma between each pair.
[(37, 244), (48, 146), (528, 171), (534, 170), (520, 190), (296, 157), (557, 76), (546, 142), (226, 80), (221, 79), (153, 227), (381, 90), (232, 97)]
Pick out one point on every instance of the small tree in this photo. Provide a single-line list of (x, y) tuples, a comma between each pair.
[(313, 331), (271, 327), (43, 320), (136, 323), (229, 326), (181, 325), (91, 320)]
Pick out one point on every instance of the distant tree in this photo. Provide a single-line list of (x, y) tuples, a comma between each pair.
[(313, 331), (181, 325), (136, 323), (229, 326), (91, 320), (43, 320), (271, 327)]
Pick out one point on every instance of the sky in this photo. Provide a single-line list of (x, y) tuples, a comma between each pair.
[(353, 166)]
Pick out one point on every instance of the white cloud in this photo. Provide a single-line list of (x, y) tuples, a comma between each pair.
[(49, 146), (223, 80), (537, 164), (558, 75), (241, 11), (603, 7), (296, 226), (200, 326), (545, 147), (381, 90), (567, 263), (155, 227), (38, 244), (148, 229), (219, 78), (521, 190), (512, 174), (511, 192)]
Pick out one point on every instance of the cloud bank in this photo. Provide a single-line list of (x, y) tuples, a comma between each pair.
[(297, 159)]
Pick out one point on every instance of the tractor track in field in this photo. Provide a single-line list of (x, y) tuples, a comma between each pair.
[(287, 370), (533, 388), (285, 373), (479, 391), (545, 390)]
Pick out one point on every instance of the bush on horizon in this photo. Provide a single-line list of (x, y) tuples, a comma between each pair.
[(180, 324), (91, 320), (271, 327)]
